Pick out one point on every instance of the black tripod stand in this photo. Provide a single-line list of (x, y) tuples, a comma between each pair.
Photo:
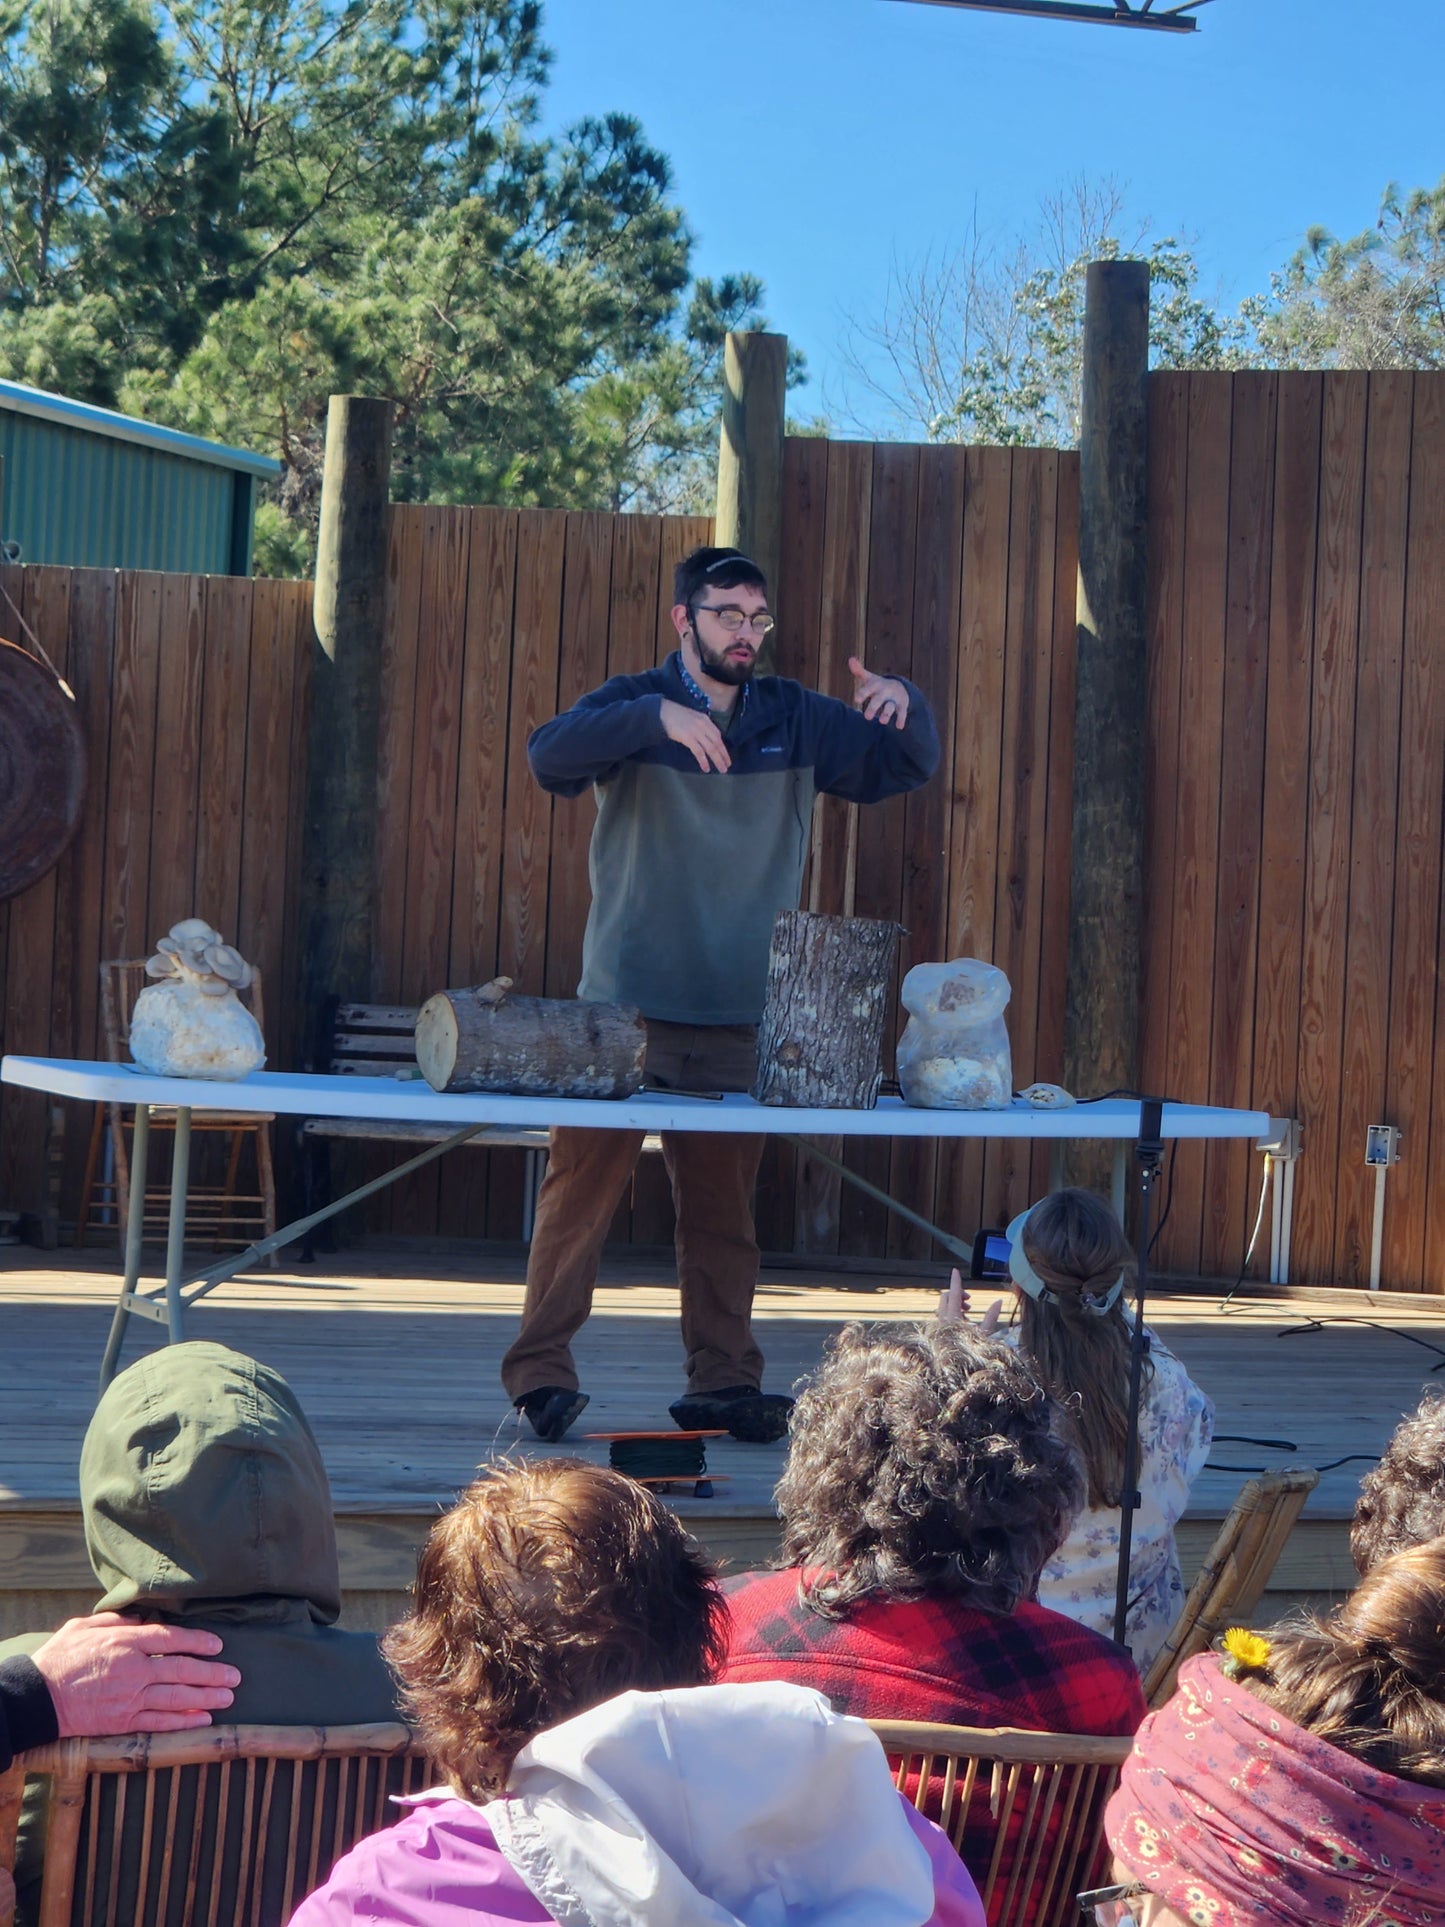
[(1149, 1154)]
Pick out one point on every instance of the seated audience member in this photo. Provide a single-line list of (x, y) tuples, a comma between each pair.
[(1071, 1265), (1298, 1779), (928, 1482), (206, 1507), (556, 1661), (1402, 1499)]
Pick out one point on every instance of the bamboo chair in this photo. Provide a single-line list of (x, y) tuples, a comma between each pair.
[(227, 1826), (215, 1212), (1235, 1572), (1024, 1810)]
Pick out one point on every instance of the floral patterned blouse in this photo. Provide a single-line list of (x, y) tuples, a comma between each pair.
[(1175, 1430)]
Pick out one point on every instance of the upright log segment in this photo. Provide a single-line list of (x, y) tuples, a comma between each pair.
[(338, 899), (1106, 875), (750, 458), (829, 984)]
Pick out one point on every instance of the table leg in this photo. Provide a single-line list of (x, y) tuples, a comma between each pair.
[(134, 1231), (176, 1229)]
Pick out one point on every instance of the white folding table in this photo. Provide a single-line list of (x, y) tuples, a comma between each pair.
[(296, 1093)]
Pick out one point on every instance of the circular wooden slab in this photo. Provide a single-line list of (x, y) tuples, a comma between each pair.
[(42, 769)]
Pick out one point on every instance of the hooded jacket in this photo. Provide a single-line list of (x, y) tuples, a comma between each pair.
[(712, 1806), (205, 1499)]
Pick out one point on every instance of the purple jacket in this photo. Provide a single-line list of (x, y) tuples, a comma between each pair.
[(440, 1866)]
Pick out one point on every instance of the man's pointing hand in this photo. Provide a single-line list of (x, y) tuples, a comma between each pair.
[(882, 699)]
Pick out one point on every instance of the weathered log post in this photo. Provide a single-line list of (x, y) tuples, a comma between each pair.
[(488, 1039), (339, 838), (750, 456), (1101, 1029), (820, 1041)]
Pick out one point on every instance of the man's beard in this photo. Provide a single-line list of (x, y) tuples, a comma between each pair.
[(717, 665)]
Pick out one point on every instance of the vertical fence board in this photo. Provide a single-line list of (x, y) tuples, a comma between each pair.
[(80, 878), (132, 766), (395, 755), (488, 1182), (1372, 819), (1228, 1166), (586, 593), (226, 644), (799, 593), (1414, 973), (541, 539), (974, 760), (1023, 796), (175, 799), (938, 572), (841, 633), (879, 835), (1059, 804), (1275, 1084), (1168, 509), (1332, 711), (1201, 692)]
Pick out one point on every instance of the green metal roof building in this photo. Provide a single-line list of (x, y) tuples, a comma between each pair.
[(88, 487)]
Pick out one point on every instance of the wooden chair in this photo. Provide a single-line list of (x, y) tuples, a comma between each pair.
[(1024, 1810), (218, 1213), (227, 1826), (1235, 1572)]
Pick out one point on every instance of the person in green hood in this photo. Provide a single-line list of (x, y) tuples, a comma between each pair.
[(206, 1504)]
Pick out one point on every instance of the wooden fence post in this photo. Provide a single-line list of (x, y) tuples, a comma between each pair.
[(750, 455), (1101, 1029), (339, 868)]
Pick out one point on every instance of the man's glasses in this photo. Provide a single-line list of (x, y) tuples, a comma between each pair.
[(1113, 1906), (735, 620)]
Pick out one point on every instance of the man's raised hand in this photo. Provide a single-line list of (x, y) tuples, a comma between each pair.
[(882, 699), (107, 1675), (696, 732)]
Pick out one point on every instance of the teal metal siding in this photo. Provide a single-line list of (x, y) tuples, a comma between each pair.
[(96, 502)]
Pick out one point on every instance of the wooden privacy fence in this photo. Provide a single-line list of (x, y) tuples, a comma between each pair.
[(1294, 790), (192, 690), (952, 566), (1297, 725)]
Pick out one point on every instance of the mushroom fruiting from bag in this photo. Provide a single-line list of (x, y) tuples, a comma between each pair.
[(191, 1023)]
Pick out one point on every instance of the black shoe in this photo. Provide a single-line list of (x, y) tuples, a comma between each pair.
[(550, 1410), (757, 1418)]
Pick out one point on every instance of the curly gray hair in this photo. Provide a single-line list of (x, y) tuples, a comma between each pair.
[(1402, 1499), (925, 1459)]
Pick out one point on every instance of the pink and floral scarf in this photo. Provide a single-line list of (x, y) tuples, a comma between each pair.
[(1236, 1817)]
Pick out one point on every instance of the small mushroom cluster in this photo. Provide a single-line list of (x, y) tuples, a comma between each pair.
[(195, 953)]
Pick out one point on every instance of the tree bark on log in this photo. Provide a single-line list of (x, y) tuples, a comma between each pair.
[(821, 1039), (487, 1039)]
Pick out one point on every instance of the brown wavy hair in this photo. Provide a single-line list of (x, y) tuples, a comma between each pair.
[(549, 1587), (1078, 1248), (1370, 1679), (925, 1459), (1402, 1499)]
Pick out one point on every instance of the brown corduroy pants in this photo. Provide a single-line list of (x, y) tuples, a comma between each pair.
[(712, 1177)]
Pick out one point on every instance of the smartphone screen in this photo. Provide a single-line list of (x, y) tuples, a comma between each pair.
[(990, 1255)]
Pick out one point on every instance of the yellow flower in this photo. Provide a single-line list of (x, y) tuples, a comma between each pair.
[(1248, 1651)]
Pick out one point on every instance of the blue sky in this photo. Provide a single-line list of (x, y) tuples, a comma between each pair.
[(814, 140)]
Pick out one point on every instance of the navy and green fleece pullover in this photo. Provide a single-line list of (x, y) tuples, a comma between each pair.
[(689, 868)]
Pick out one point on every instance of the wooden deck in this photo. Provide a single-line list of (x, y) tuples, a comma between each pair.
[(393, 1354)]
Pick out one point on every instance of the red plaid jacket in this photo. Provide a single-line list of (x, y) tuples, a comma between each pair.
[(935, 1659)]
